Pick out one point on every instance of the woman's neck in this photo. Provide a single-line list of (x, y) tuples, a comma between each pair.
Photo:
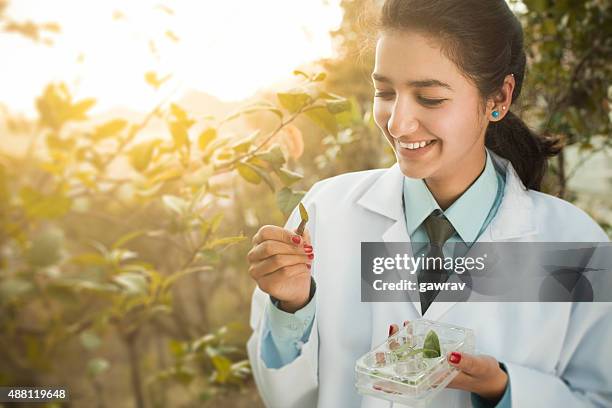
[(447, 188)]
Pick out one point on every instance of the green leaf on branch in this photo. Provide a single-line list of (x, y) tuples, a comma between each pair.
[(254, 174), (97, 366), (180, 115), (140, 155), (248, 173), (338, 106), (302, 73), (293, 101), (152, 79), (46, 248), (323, 118), (207, 136), (288, 177), (132, 283), (179, 134), (212, 147), (90, 340), (287, 199), (319, 77), (242, 146), (79, 110), (274, 156), (109, 129), (175, 204)]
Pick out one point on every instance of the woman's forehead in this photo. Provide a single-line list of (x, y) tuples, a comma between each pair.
[(405, 57)]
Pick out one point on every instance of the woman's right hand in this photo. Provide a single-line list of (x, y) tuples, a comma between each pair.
[(280, 263)]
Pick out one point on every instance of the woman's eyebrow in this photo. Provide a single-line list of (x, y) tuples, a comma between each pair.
[(422, 83)]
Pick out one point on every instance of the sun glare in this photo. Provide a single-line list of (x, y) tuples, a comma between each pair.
[(229, 49)]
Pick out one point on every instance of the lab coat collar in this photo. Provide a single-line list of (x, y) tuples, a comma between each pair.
[(514, 218)]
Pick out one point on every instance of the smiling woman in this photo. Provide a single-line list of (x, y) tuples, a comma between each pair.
[(446, 74), (229, 49)]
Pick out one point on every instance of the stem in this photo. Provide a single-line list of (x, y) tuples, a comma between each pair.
[(136, 376), (561, 174), (225, 167)]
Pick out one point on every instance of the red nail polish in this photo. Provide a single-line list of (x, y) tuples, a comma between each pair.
[(307, 246), (308, 250), (455, 357), (390, 329), (308, 266), (310, 256), (296, 239)]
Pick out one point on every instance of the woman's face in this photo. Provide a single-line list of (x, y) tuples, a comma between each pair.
[(421, 99)]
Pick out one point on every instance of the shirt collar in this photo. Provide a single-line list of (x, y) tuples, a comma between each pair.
[(467, 214)]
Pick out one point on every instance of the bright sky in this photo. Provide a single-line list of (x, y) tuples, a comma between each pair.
[(228, 48)]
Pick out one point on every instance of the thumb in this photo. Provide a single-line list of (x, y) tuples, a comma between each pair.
[(468, 363)]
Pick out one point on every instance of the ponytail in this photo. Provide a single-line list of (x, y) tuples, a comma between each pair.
[(528, 152)]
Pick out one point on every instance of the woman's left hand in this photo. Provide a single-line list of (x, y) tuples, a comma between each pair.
[(480, 374)]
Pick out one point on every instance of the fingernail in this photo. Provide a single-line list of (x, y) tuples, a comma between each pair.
[(308, 250), (455, 357), (307, 246), (296, 239), (308, 266), (310, 256), (390, 329)]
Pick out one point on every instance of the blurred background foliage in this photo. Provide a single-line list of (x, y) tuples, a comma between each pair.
[(123, 240)]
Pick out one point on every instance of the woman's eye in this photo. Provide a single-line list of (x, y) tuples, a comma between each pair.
[(383, 94), (430, 102)]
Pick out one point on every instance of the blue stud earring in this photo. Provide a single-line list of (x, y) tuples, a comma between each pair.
[(495, 114)]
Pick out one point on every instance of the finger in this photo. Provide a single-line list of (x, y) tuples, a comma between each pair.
[(305, 242), (273, 232), (269, 248), (275, 263), (393, 328)]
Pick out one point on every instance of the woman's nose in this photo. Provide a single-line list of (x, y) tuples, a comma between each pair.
[(401, 123)]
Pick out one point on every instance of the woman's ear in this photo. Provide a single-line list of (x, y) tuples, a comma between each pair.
[(499, 104)]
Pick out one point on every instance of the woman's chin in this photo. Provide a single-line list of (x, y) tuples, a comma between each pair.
[(415, 171)]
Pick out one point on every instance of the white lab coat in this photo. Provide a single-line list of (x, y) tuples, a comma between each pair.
[(556, 354)]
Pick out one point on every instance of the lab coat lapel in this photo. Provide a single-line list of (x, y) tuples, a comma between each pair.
[(384, 198)]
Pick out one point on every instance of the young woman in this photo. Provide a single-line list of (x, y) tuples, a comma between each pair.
[(447, 73)]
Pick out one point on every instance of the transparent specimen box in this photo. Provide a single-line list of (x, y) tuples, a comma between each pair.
[(397, 371)]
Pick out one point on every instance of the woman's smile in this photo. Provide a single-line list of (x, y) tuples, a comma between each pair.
[(414, 150)]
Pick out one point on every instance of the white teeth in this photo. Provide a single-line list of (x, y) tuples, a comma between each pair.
[(417, 145)]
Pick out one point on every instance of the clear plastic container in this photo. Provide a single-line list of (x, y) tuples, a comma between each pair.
[(395, 372)]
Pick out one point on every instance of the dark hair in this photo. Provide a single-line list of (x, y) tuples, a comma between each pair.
[(485, 41)]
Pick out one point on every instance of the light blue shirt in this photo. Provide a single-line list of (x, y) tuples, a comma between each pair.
[(285, 333)]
